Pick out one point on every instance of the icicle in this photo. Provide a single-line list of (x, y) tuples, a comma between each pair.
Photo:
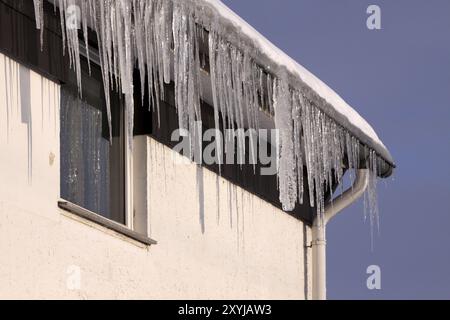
[(72, 25), (287, 164), (39, 13), (153, 87), (63, 27), (84, 15), (296, 117), (212, 64), (186, 66), (371, 202), (100, 19), (126, 61), (139, 41), (165, 35)]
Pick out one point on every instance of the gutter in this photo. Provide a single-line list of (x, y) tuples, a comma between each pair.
[(318, 243)]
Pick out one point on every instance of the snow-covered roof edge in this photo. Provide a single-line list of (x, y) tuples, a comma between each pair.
[(278, 62)]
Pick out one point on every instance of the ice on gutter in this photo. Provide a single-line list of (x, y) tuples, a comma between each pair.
[(318, 130), (278, 61)]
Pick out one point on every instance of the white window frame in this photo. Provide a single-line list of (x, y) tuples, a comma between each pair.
[(129, 228)]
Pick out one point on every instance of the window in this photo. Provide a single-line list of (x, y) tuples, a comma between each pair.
[(95, 170), (92, 162)]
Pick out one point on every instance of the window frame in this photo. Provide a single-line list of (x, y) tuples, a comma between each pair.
[(128, 190), (20, 40)]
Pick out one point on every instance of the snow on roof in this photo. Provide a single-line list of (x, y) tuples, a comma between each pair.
[(329, 101)]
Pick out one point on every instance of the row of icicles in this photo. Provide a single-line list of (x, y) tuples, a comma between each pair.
[(155, 35)]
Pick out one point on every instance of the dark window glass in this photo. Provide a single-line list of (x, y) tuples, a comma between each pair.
[(92, 163)]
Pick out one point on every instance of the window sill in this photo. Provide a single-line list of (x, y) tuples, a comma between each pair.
[(104, 222)]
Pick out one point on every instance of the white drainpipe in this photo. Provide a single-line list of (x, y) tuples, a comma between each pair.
[(318, 244)]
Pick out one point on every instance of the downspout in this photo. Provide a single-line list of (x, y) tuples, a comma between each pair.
[(318, 243)]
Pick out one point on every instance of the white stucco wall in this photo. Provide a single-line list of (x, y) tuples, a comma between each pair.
[(214, 239)]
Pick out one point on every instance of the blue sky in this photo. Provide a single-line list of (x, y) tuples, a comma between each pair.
[(398, 79)]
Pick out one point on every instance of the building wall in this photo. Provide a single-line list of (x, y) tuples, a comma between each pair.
[(215, 240)]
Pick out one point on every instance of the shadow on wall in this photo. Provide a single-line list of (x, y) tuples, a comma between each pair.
[(18, 96), (201, 197), (25, 103)]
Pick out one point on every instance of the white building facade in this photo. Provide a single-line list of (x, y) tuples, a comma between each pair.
[(224, 243)]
